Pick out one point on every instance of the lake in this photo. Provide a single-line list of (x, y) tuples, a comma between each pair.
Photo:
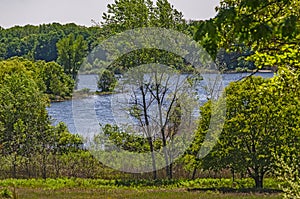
[(100, 105)]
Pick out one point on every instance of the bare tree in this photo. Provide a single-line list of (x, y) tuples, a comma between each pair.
[(161, 104)]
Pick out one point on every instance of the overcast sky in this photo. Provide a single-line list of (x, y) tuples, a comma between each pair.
[(22, 12)]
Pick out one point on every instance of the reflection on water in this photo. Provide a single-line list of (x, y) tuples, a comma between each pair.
[(99, 106)]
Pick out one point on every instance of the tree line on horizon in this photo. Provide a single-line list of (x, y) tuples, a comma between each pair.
[(48, 42)]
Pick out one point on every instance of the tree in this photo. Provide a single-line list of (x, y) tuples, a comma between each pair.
[(157, 94), (23, 112), (71, 52), (39, 42), (45, 46), (58, 84), (107, 81), (192, 161), (207, 33), (26, 133), (270, 28), (143, 14), (261, 120), (49, 77), (129, 14), (2, 51)]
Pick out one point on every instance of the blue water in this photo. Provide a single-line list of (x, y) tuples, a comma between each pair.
[(97, 109)]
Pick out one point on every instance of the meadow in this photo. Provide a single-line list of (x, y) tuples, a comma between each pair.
[(97, 188)]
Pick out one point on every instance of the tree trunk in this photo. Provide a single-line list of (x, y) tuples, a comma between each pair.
[(233, 174), (167, 162), (171, 170), (14, 167), (14, 171), (171, 157), (44, 166), (150, 141), (164, 141), (56, 165), (258, 181), (27, 163), (258, 176), (194, 173), (153, 158)]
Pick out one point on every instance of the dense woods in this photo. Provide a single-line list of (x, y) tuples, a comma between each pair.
[(39, 42), (260, 136)]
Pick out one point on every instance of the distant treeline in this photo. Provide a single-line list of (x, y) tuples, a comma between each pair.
[(40, 43)]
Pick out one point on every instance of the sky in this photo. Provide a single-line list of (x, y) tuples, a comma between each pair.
[(81, 12)]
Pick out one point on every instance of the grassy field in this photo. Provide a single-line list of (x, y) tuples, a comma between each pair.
[(92, 189), (120, 193)]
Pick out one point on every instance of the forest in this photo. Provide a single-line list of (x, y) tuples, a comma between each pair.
[(253, 148)]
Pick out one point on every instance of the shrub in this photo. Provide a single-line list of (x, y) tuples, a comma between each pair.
[(107, 81), (289, 172), (6, 193)]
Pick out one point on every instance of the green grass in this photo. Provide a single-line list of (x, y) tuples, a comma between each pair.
[(77, 193), (177, 189), (99, 183)]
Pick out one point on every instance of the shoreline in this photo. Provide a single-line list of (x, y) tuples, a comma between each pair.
[(224, 72), (249, 71), (83, 94)]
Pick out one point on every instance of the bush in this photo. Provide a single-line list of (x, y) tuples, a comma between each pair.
[(289, 172), (6, 193), (107, 81)]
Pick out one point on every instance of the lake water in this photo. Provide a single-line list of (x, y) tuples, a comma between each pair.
[(100, 106)]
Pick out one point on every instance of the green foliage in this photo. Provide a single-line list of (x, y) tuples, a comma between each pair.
[(157, 112), (71, 52), (127, 141), (288, 170), (125, 15), (45, 46), (49, 77), (207, 33), (54, 184), (272, 30), (64, 141), (129, 14), (23, 111), (39, 42), (265, 112), (25, 130), (268, 113), (269, 29), (228, 58), (107, 81), (261, 119), (6, 193), (56, 81)]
